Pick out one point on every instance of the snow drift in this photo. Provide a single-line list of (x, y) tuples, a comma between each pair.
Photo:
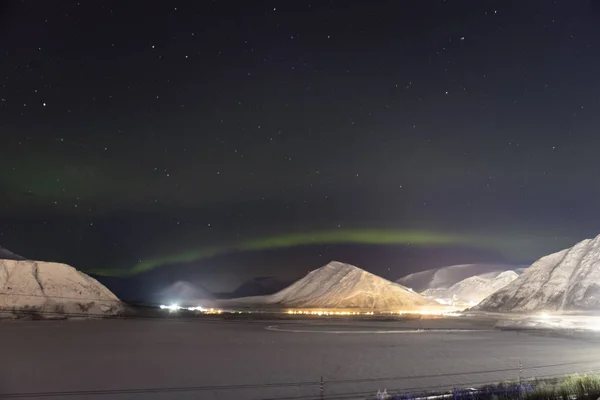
[(50, 290), (338, 285), (565, 281), (442, 278), (472, 290)]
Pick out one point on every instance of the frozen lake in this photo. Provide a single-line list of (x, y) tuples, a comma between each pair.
[(170, 359)]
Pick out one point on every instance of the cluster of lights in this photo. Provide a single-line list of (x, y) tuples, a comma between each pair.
[(329, 313), (196, 309), (176, 307), (171, 308), (449, 313), (320, 313)]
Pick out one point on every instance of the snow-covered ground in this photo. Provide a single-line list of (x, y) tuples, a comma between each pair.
[(145, 359), (338, 285), (563, 281), (52, 290)]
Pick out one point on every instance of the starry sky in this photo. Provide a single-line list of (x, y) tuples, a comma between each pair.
[(220, 140)]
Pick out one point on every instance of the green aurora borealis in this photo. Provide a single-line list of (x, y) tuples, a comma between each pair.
[(199, 143), (518, 246)]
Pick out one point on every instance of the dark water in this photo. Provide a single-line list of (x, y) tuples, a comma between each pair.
[(212, 359)]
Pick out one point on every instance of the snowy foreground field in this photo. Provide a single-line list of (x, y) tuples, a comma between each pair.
[(216, 359)]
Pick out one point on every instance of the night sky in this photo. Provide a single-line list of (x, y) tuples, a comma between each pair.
[(216, 140)]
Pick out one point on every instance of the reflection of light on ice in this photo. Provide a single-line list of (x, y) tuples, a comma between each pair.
[(547, 320)]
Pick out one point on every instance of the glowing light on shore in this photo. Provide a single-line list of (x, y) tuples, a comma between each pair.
[(171, 308), (327, 313), (176, 307)]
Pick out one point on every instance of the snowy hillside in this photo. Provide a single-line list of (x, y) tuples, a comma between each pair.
[(472, 290), (184, 294), (563, 281), (52, 289), (338, 285), (441, 278)]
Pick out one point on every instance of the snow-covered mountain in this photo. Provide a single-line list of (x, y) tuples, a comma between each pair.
[(442, 278), (260, 286), (185, 294), (472, 290), (52, 290), (7, 255), (563, 281), (338, 285)]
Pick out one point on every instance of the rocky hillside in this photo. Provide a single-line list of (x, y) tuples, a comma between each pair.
[(563, 281), (46, 289)]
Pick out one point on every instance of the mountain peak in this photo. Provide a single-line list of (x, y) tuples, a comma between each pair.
[(472, 290), (259, 286), (8, 255), (340, 285), (338, 265), (507, 275)]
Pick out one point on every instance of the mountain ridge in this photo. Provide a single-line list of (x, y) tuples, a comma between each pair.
[(567, 280), (339, 285), (444, 277), (51, 290), (470, 291)]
